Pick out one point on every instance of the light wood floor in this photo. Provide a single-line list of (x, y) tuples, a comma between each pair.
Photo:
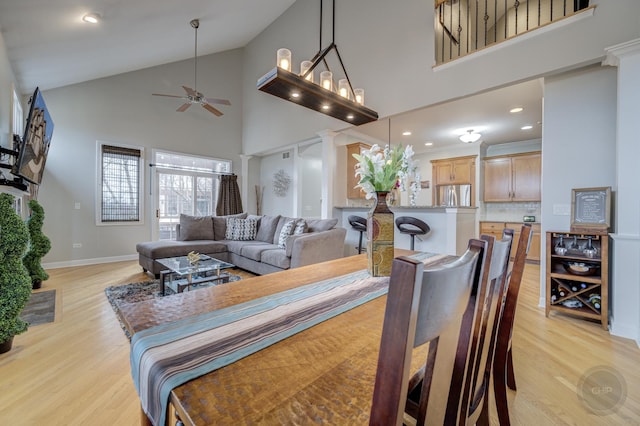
[(75, 371)]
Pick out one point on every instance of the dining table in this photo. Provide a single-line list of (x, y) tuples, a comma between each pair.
[(324, 374)]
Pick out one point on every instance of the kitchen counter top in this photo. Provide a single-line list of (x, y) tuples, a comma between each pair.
[(507, 221), (431, 208)]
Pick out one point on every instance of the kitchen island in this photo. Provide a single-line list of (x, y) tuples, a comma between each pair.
[(451, 228)]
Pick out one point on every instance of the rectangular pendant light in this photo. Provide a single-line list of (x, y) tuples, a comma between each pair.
[(293, 88)]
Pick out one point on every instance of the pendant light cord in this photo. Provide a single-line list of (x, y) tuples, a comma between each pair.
[(195, 73)]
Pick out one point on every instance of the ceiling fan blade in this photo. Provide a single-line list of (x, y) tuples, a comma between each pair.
[(211, 109), (184, 107), (218, 101), (190, 91), (169, 96)]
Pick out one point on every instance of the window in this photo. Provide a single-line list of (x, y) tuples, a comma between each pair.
[(120, 184), (185, 184), (17, 118)]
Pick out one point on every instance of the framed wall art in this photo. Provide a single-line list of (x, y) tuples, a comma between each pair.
[(591, 209)]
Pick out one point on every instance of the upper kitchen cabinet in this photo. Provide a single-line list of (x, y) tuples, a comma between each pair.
[(509, 178), (458, 170), (352, 180)]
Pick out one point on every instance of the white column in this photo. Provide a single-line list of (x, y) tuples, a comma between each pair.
[(625, 258), (244, 180), (328, 171)]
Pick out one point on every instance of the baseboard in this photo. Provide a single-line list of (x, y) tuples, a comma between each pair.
[(85, 262)]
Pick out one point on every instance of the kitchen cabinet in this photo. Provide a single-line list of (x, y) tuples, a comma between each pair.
[(458, 170), (455, 171), (496, 228), (577, 275), (512, 178), (352, 180)]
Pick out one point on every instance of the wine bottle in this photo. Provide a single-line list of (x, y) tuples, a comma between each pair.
[(594, 300), (554, 294)]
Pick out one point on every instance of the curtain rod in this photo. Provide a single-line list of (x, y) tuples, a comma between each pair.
[(192, 170)]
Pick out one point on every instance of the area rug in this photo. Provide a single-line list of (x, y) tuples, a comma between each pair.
[(40, 309), (138, 292)]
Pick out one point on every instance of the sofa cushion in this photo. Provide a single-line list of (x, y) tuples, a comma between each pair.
[(276, 257), (164, 248), (195, 228), (317, 225), (267, 228), (281, 222), (241, 229), (220, 225), (287, 229), (301, 227), (254, 250)]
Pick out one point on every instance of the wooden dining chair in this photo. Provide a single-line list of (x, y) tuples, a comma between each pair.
[(503, 373), (453, 308), (421, 307), (480, 349)]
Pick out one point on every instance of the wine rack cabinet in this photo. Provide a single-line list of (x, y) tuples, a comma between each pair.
[(578, 275)]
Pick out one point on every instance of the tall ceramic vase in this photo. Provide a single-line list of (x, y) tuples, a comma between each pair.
[(380, 237)]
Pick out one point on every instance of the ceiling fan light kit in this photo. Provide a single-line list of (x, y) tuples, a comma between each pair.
[(340, 101), (192, 95)]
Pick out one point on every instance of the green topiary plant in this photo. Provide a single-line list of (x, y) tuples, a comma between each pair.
[(15, 285), (38, 247)]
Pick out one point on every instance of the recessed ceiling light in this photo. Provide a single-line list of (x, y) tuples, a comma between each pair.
[(517, 109), (92, 18), (428, 144), (350, 117), (325, 106), (526, 127), (295, 94), (406, 133)]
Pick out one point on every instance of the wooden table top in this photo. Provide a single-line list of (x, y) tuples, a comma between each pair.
[(323, 374)]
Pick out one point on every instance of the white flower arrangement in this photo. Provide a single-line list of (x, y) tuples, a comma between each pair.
[(384, 169)]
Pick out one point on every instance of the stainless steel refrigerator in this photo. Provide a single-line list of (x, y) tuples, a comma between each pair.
[(453, 195)]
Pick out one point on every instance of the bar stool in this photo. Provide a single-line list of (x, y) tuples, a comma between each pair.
[(412, 226), (359, 224)]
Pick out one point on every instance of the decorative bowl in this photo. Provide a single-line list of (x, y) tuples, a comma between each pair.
[(561, 251), (581, 268), (590, 253)]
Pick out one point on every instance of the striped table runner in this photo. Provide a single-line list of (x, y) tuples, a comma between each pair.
[(168, 355)]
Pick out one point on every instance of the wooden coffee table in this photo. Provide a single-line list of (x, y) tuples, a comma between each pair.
[(181, 275)]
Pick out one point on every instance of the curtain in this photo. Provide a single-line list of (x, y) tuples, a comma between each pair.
[(229, 201)]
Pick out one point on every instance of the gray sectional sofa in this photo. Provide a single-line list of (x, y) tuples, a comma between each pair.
[(255, 243)]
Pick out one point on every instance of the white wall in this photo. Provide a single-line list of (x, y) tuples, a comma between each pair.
[(273, 204), (310, 183), (7, 81), (388, 49), (578, 143), (121, 109)]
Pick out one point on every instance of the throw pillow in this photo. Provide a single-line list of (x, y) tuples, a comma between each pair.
[(287, 229), (301, 227), (241, 229), (195, 228), (220, 225)]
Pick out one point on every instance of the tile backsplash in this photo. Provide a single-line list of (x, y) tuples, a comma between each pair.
[(510, 212)]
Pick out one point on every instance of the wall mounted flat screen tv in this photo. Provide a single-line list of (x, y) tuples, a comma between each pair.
[(36, 141)]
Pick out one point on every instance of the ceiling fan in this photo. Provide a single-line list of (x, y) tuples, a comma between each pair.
[(193, 96)]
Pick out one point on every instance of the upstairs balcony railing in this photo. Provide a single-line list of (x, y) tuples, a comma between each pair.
[(466, 26)]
